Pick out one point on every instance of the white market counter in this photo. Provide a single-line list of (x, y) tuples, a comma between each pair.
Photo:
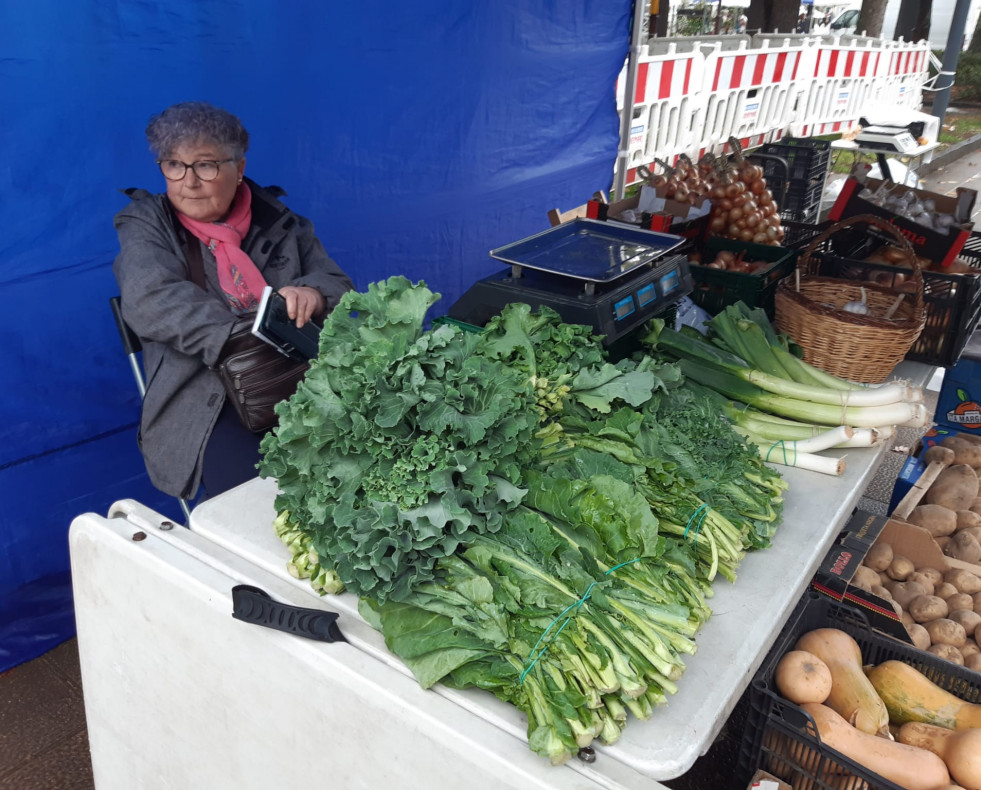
[(178, 694)]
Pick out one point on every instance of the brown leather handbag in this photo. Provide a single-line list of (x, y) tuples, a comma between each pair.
[(255, 375)]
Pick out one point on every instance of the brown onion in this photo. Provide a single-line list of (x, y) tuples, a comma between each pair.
[(758, 186), (746, 235), (759, 238), (753, 218), (718, 223)]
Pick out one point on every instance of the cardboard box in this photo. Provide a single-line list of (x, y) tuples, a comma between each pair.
[(836, 572), (941, 248), (689, 222), (765, 781), (834, 576), (918, 544), (913, 467)]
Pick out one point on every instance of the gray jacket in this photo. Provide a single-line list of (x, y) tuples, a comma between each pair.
[(183, 328)]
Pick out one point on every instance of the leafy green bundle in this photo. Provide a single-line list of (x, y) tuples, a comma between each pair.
[(399, 445), (515, 512)]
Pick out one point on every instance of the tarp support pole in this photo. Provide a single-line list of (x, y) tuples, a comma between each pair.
[(627, 116), (952, 53)]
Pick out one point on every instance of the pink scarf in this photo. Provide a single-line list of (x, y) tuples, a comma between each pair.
[(238, 276)]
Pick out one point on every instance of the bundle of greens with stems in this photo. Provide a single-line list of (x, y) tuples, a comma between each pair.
[(789, 409), (508, 509)]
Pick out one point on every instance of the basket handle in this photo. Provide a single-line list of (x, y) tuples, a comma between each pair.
[(870, 219)]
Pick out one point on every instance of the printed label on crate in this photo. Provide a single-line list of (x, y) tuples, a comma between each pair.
[(842, 97), (966, 414), (751, 110), (637, 135)]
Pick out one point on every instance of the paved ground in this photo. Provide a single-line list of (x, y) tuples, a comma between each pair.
[(965, 171)]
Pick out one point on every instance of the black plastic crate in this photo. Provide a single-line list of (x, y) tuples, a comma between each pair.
[(952, 302), (714, 289), (807, 158), (781, 738), (796, 178)]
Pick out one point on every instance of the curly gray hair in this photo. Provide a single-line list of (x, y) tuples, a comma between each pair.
[(196, 121)]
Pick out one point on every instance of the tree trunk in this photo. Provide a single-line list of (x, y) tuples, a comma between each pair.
[(913, 21), (871, 16), (770, 15), (976, 38)]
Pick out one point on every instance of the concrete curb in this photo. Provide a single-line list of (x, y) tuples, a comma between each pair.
[(964, 147)]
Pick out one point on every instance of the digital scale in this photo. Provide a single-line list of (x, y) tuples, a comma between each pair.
[(609, 276), (887, 138)]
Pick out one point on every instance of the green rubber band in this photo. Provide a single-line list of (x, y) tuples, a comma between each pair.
[(533, 658)]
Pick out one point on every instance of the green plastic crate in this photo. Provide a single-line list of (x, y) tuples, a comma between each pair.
[(716, 288)]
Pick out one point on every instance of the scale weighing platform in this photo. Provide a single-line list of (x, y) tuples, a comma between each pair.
[(887, 138), (609, 276)]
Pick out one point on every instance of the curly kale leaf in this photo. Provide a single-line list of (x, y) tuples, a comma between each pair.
[(401, 444)]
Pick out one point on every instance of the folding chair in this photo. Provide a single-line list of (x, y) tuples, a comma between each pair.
[(132, 346)]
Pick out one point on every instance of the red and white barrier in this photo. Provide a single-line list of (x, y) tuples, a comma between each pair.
[(693, 94)]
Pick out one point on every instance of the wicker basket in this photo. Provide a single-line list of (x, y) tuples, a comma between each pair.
[(855, 347)]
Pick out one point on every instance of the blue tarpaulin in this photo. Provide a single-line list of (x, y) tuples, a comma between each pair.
[(417, 136)]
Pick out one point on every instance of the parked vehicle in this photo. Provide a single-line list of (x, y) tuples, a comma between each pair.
[(942, 13)]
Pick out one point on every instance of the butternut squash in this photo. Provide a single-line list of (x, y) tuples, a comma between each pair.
[(909, 695), (960, 750), (802, 677), (908, 766), (852, 695)]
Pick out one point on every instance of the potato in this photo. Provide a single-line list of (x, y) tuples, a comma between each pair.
[(884, 579), (963, 580), (865, 578), (963, 546), (919, 635), (939, 454), (965, 452), (969, 648), (975, 531), (977, 602), (879, 556), (935, 519), (882, 592), (942, 541), (945, 590), (956, 487), (966, 617), (900, 567), (932, 574), (976, 506), (904, 592), (947, 653), (946, 632), (924, 580), (973, 662), (967, 518), (960, 601), (925, 608), (905, 618)]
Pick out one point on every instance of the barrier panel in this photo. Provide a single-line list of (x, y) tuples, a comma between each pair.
[(749, 93), (693, 93), (666, 105)]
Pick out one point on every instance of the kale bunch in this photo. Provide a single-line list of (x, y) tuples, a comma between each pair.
[(400, 445)]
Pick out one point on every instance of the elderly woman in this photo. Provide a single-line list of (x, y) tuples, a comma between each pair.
[(246, 239)]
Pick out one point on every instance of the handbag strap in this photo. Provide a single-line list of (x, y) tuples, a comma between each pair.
[(195, 261)]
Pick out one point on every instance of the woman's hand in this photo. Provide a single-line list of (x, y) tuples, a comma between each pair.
[(303, 303)]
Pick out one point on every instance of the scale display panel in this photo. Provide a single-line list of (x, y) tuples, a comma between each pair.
[(590, 250)]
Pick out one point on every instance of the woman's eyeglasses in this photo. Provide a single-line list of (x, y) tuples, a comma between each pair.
[(206, 170)]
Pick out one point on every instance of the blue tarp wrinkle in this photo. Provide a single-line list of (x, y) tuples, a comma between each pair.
[(416, 136)]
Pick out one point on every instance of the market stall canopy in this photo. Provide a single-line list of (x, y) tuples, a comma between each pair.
[(417, 137)]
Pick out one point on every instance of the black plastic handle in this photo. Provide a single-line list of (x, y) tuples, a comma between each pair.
[(252, 605)]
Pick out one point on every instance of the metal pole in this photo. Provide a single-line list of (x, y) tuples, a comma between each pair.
[(630, 86), (955, 42)]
